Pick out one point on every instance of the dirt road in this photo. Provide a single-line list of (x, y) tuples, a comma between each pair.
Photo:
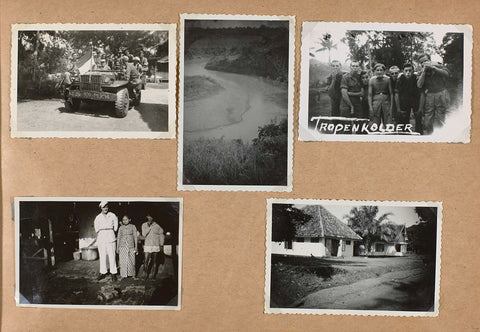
[(400, 290), (50, 115)]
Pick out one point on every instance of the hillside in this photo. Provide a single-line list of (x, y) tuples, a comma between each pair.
[(251, 51)]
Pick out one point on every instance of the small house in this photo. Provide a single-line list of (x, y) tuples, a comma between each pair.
[(323, 235), (394, 244)]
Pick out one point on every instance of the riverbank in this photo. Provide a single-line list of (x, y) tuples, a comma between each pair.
[(233, 106)]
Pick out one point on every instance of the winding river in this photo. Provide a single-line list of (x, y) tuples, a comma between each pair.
[(246, 103)]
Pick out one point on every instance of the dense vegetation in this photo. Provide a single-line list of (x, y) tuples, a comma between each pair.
[(259, 51), (197, 87), (44, 55), (216, 161)]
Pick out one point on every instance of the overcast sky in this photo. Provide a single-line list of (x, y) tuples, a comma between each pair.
[(401, 214)]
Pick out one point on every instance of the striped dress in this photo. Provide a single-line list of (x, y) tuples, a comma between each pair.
[(127, 237)]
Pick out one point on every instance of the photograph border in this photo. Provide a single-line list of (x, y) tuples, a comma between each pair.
[(307, 135), (16, 219), (268, 252), (290, 114), (172, 80)]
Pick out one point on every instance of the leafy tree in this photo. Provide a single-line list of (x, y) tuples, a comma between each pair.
[(451, 51), (387, 47), (364, 220), (422, 236), (284, 219)]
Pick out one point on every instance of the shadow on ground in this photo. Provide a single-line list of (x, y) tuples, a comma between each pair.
[(154, 115)]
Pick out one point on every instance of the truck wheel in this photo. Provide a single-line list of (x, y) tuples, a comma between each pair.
[(121, 104), (136, 101), (72, 105)]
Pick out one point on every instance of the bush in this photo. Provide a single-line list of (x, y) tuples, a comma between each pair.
[(216, 161)]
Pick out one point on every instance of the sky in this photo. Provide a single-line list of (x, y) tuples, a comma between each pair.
[(401, 214), (342, 50)]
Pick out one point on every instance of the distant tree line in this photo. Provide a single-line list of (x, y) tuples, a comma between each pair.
[(265, 54)]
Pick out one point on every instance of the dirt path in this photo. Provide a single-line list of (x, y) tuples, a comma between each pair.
[(400, 290), (50, 115)]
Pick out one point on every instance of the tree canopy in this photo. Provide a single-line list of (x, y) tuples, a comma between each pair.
[(366, 222), (47, 52), (422, 237), (284, 219), (387, 47)]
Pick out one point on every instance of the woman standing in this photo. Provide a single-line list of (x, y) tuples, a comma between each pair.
[(380, 96), (154, 239), (127, 247)]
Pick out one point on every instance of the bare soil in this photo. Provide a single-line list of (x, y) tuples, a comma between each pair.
[(294, 279), (50, 115)]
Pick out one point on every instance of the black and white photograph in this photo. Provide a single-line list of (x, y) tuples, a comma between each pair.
[(385, 82), (236, 102), (93, 80), (353, 257), (121, 253)]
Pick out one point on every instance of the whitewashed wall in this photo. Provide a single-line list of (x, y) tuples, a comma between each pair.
[(306, 248)]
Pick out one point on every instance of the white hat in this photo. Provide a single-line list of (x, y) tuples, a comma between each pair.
[(102, 204)]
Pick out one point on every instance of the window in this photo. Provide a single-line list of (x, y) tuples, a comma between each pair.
[(315, 239), (288, 244), (379, 247), (299, 239), (348, 242)]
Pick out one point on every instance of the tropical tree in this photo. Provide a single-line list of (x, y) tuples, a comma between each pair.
[(326, 44), (387, 47), (284, 219), (422, 235), (364, 220)]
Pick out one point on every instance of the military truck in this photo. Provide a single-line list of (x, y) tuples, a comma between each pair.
[(103, 86)]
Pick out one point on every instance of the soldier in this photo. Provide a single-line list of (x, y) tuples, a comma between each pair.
[(351, 87), (433, 82), (131, 72), (380, 96), (333, 87), (407, 98), (393, 73), (143, 61)]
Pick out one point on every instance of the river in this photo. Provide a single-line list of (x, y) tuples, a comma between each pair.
[(246, 103)]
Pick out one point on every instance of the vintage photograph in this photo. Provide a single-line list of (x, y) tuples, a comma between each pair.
[(385, 82), (122, 253), (236, 102), (93, 80), (353, 257)]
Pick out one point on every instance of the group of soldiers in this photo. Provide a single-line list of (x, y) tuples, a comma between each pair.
[(390, 96), (133, 67)]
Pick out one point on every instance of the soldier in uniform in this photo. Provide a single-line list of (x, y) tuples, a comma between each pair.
[(351, 87), (380, 96), (433, 82), (333, 87), (407, 98)]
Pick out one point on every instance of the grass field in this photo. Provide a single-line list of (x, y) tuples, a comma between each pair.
[(216, 161)]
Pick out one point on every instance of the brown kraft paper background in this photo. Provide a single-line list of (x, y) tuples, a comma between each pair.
[(224, 232)]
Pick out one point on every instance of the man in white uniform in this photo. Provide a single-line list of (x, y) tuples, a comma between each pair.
[(106, 224)]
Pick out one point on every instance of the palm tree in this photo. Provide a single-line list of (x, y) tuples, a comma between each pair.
[(326, 45), (365, 222)]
